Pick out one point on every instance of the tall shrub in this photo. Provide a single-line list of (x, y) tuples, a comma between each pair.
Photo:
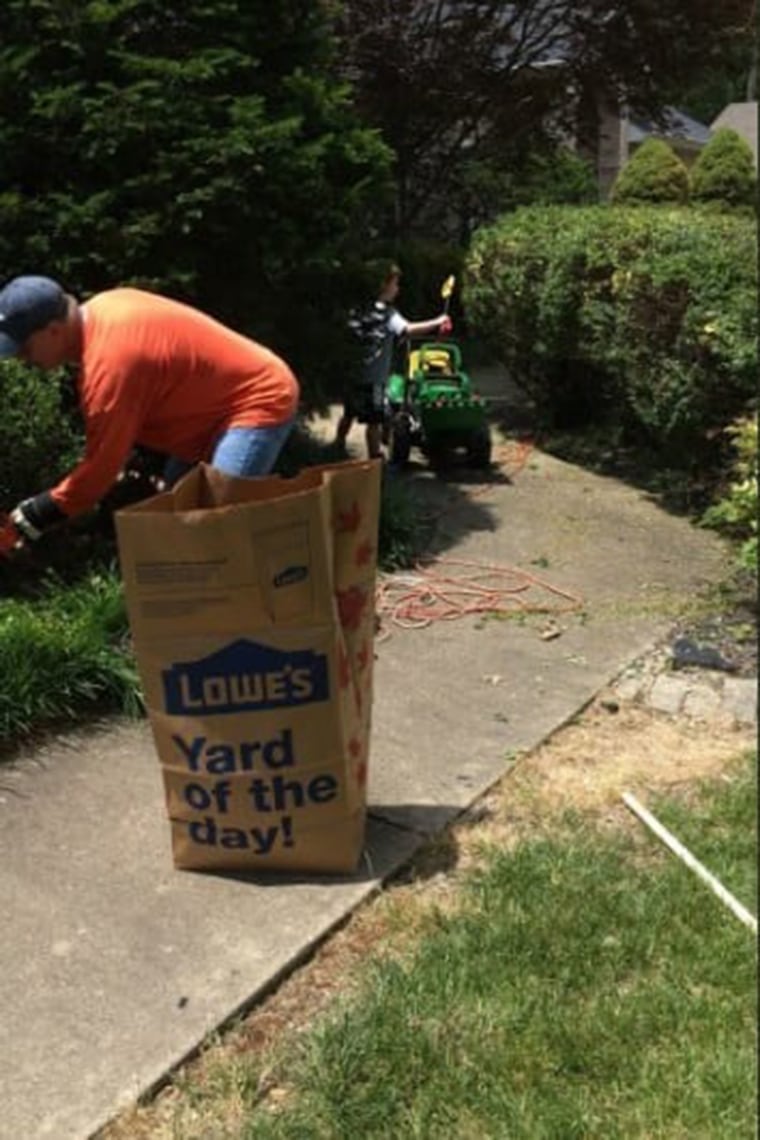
[(724, 171), (648, 313), (39, 436), (653, 174), (202, 148)]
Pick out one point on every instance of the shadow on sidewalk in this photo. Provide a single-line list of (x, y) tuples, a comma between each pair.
[(391, 844), (452, 503)]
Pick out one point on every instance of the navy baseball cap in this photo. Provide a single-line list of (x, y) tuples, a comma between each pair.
[(27, 304)]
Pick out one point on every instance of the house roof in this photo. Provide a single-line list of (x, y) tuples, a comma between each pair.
[(742, 118), (677, 126)]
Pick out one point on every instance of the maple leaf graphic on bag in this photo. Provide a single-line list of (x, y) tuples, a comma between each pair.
[(348, 521), (351, 605)]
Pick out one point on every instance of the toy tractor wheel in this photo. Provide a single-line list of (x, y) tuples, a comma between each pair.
[(401, 441), (479, 448), (439, 457)]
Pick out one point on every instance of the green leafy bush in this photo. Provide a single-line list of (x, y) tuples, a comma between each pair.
[(39, 438), (513, 180), (653, 174), (646, 315), (424, 267), (523, 295), (736, 512), (559, 177), (724, 171), (208, 150)]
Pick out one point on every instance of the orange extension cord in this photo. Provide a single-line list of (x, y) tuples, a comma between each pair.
[(430, 594), (445, 589)]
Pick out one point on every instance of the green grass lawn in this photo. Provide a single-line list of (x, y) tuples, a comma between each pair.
[(589, 986)]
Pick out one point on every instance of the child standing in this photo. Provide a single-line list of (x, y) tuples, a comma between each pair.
[(377, 326)]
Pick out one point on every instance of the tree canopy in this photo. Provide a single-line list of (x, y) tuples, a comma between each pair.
[(242, 153), (485, 80), (205, 148)]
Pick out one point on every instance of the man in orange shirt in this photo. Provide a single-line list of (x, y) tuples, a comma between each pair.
[(153, 373)]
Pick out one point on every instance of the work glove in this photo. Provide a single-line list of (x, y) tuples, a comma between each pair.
[(34, 516), (25, 522), (135, 482), (10, 537), (147, 466)]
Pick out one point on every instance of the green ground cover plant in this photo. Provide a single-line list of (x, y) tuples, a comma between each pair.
[(65, 655), (735, 511)]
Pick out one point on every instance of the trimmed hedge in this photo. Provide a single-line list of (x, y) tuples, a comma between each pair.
[(654, 173), (724, 172), (646, 315)]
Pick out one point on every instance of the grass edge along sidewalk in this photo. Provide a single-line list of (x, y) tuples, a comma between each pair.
[(581, 983)]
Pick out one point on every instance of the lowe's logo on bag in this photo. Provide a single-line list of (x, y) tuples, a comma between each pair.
[(245, 676), (291, 576)]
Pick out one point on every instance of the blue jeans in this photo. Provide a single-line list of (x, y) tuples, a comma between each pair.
[(242, 451)]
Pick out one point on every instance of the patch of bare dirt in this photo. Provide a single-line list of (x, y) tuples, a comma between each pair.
[(607, 749), (610, 748)]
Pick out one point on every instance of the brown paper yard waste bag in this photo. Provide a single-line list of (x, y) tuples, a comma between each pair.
[(251, 605)]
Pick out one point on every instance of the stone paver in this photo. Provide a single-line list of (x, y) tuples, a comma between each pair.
[(702, 694), (667, 694), (702, 701), (740, 698)]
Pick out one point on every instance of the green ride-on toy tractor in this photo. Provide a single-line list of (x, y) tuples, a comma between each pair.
[(433, 406)]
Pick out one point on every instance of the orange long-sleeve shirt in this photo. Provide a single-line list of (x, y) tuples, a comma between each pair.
[(160, 374)]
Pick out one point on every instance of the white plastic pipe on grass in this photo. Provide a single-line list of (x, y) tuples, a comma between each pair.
[(686, 857)]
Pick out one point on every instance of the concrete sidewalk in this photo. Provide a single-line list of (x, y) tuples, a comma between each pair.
[(114, 966)]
